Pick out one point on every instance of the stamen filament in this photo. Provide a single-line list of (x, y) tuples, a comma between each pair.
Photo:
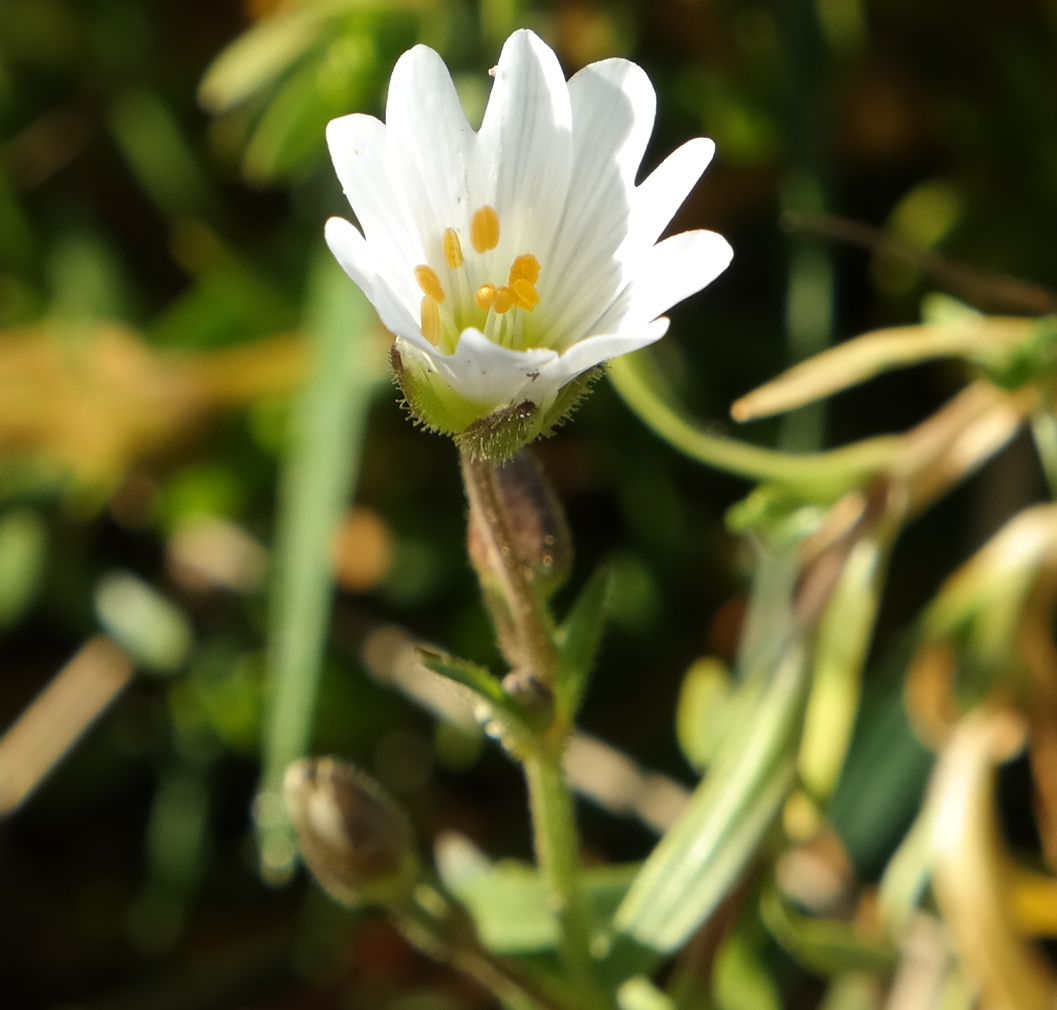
[(430, 318)]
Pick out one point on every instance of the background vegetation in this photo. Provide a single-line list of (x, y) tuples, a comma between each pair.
[(192, 398)]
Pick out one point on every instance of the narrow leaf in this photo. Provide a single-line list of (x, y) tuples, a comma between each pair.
[(476, 678), (700, 859), (578, 641)]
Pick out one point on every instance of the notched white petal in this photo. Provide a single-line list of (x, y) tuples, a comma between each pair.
[(677, 268), (486, 373), (359, 261), (359, 148), (431, 139), (525, 144), (604, 347), (662, 192)]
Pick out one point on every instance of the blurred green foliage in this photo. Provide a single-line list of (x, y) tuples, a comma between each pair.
[(180, 428)]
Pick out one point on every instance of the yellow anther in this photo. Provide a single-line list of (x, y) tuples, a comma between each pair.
[(504, 300), (525, 294), (429, 282), (485, 296), (525, 268), (484, 229), (431, 320), (452, 248)]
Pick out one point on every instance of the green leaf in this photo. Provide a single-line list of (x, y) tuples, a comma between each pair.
[(508, 900), (578, 641), (320, 470), (639, 993), (841, 645), (740, 980), (701, 714), (293, 128), (478, 680), (23, 547), (696, 864), (260, 55), (826, 947)]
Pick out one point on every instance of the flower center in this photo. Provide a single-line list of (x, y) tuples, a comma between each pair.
[(497, 310)]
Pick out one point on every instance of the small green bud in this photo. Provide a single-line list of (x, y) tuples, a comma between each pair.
[(354, 838)]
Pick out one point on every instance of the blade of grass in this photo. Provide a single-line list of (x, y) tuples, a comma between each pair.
[(319, 473)]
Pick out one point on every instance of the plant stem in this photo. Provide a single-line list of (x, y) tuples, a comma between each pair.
[(551, 803), (431, 922), (557, 852)]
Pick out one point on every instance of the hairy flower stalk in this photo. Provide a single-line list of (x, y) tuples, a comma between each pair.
[(510, 262)]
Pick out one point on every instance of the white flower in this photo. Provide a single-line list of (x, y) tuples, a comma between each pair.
[(509, 261)]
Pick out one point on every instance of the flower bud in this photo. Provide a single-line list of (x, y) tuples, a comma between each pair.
[(353, 837), (536, 522)]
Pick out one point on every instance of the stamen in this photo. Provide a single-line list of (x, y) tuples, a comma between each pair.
[(429, 282), (452, 248), (430, 317), (485, 296), (504, 300), (525, 294), (484, 229), (525, 268)]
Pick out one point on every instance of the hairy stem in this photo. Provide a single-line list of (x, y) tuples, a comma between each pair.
[(551, 803), (430, 922)]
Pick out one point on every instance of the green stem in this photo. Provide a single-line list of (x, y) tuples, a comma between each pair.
[(825, 474), (551, 803), (433, 924), (557, 852)]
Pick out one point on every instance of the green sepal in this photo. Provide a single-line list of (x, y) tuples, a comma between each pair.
[(484, 433), (499, 436)]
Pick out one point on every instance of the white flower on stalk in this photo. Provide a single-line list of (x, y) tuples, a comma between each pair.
[(511, 261)]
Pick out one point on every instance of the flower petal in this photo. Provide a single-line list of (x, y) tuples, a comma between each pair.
[(497, 376), (613, 108), (525, 146), (431, 143), (359, 147), (663, 191), (357, 259), (670, 272), (595, 350)]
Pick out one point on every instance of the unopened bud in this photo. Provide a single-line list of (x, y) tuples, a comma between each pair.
[(353, 836), (536, 522)]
